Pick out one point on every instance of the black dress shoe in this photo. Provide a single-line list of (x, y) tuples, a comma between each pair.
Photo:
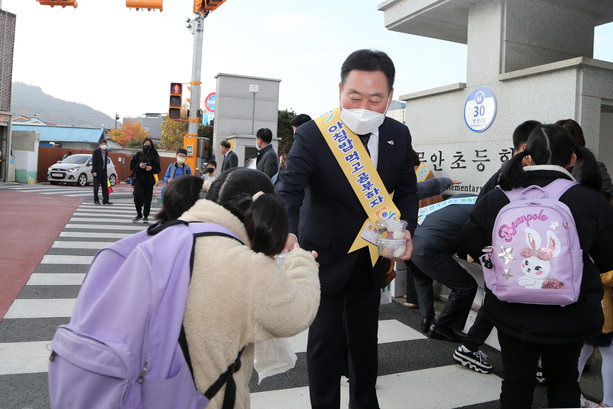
[(426, 323), (96, 202), (107, 203), (445, 334)]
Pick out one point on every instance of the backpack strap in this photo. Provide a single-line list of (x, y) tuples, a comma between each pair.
[(173, 170), (553, 190), (559, 186), (228, 379), (200, 229)]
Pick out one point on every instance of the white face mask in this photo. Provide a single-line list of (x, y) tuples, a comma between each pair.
[(180, 160), (362, 121), (257, 146), (103, 147)]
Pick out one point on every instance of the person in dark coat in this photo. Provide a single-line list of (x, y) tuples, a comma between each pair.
[(326, 215), (144, 165), (435, 242), (267, 160), (556, 333), (99, 167), (230, 158)]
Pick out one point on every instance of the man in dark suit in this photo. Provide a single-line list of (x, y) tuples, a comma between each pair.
[(99, 159), (267, 160), (230, 158), (330, 216)]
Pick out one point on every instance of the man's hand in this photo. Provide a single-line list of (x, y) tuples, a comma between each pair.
[(409, 249), (291, 243), (95, 174)]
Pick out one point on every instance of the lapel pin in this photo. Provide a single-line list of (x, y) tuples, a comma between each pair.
[(391, 142)]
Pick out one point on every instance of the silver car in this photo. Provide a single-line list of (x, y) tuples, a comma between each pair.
[(77, 169)]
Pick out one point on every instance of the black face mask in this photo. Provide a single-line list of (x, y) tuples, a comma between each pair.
[(210, 170), (147, 148)]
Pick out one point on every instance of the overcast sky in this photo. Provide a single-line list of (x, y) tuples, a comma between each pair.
[(116, 59)]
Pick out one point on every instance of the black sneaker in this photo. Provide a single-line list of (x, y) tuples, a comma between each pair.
[(477, 361), (146, 220), (107, 203), (445, 334), (96, 202), (136, 219)]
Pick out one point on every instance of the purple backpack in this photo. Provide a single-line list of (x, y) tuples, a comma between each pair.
[(125, 345), (535, 257)]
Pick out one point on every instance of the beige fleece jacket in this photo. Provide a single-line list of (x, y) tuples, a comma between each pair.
[(238, 297)]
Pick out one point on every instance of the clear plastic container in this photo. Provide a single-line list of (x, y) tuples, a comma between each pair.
[(390, 248), (391, 229), (280, 258)]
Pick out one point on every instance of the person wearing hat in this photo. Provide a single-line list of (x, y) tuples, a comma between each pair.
[(99, 162)]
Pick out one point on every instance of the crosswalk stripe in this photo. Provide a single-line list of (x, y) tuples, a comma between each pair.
[(24, 357), (66, 259), (96, 245), (389, 331), (41, 308), (86, 234), (134, 226), (102, 218), (443, 387), (56, 279), (104, 212)]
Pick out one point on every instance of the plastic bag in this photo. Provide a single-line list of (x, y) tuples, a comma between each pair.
[(386, 295), (272, 357)]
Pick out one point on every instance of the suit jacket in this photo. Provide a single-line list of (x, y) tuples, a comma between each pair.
[(268, 161), (324, 211), (229, 161), (99, 165)]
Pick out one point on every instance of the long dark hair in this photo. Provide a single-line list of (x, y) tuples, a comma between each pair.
[(151, 156), (550, 145), (265, 218), (180, 196)]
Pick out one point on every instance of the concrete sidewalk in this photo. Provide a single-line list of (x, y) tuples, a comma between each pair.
[(29, 223)]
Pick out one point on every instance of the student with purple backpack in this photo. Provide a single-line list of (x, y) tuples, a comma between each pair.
[(238, 295), (168, 318), (535, 261)]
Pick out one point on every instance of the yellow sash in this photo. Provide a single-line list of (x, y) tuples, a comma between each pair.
[(362, 175)]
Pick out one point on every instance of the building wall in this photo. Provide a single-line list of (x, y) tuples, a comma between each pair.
[(25, 151), (151, 124), (450, 148), (234, 109), (7, 42)]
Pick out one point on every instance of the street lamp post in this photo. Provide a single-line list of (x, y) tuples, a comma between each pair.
[(254, 89)]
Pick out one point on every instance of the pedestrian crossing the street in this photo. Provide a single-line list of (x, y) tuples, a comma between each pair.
[(415, 371)]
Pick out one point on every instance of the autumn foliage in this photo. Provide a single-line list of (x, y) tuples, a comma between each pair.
[(131, 134)]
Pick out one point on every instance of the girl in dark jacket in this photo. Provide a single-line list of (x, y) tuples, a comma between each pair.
[(144, 165), (556, 333)]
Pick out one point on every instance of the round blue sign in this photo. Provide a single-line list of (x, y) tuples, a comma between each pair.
[(480, 109)]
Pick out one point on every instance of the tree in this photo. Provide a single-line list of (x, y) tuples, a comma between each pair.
[(284, 129), (131, 134), (173, 132)]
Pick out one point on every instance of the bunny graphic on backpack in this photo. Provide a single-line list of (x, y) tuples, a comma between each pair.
[(535, 257)]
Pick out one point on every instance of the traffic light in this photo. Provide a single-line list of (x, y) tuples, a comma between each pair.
[(144, 4), (197, 5), (62, 3), (176, 91), (212, 4)]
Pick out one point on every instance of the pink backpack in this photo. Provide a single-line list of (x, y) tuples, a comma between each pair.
[(535, 257)]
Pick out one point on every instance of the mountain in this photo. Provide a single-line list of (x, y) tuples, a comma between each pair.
[(30, 100)]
